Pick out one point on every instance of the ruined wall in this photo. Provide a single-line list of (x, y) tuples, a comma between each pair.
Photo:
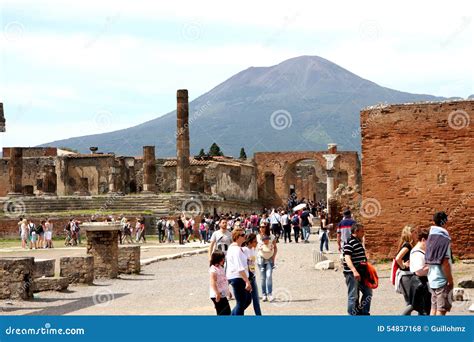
[(231, 180), (32, 174), (33, 152), (97, 170), (417, 159), (279, 166)]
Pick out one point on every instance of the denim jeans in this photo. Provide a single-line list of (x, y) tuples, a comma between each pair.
[(354, 307), (296, 229), (255, 299), (324, 241), (266, 270), (170, 236), (306, 232), (242, 296)]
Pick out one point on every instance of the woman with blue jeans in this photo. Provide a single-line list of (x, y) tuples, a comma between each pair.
[(267, 250), (238, 273), (249, 250)]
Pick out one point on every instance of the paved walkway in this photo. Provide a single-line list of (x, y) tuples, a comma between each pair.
[(180, 287)]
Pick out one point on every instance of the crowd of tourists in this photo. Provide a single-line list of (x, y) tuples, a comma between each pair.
[(421, 270), (35, 236)]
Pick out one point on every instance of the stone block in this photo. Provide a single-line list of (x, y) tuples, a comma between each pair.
[(466, 283), (51, 284), (324, 265), (129, 259), (44, 268), (79, 270), (16, 276)]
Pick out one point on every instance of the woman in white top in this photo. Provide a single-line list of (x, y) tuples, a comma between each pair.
[(238, 274), (251, 252), (25, 232)]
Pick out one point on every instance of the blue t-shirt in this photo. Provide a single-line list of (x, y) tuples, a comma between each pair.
[(436, 277)]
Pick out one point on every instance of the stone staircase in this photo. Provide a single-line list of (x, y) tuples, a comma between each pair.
[(156, 204)]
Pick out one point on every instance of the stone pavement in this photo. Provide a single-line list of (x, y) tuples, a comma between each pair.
[(181, 286)]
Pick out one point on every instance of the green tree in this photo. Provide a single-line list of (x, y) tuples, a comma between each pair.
[(243, 155), (215, 150), (201, 153)]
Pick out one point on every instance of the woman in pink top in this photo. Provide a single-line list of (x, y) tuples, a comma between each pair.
[(219, 287)]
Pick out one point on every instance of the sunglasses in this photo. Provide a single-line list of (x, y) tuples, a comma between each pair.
[(242, 235)]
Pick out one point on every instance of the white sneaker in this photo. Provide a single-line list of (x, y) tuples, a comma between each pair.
[(264, 298), (270, 298)]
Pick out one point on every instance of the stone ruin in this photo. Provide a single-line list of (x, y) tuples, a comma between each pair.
[(22, 276)]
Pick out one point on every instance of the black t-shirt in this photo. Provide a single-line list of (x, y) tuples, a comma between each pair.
[(406, 257)]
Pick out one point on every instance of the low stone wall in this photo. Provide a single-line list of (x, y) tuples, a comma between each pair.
[(16, 278), (79, 270), (51, 284), (44, 268), (129, 259)]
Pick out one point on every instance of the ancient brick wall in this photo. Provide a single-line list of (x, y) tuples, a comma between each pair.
[(417, 159), (33, 152), (280, 167)]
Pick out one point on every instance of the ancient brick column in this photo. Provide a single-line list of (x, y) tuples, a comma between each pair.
[(102, 244), (2, 119), (182, 142), (149, 169), (49, 180), (15, 171)]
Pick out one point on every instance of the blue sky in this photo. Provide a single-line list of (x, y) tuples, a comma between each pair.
[(76, 68)]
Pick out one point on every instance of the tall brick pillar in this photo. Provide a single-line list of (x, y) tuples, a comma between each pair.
[(149, 169), (2, 119), (49, 180), (182, 142), (15, 171)]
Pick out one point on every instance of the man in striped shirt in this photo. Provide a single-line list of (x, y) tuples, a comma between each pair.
[(354, 255)]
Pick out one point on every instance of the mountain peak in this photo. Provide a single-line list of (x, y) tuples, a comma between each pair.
[(321, 98)]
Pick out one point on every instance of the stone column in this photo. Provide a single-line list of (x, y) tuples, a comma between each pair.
[(149, 169), (330, 184), (102, 244), (2, 119), (16, 277), (182, 142), (49, 180), (15, 171), (330, 171)]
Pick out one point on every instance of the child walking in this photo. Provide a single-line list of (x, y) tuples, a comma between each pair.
[(219, 287)]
